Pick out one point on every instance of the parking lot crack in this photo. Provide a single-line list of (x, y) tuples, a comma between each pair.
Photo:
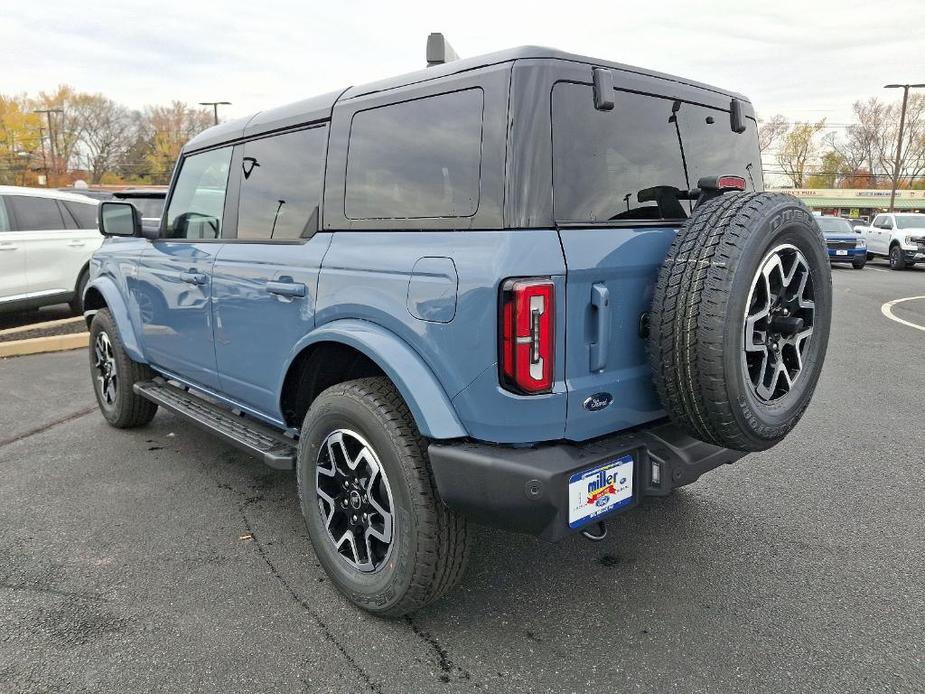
[(326, 631), (443, 657), (46, 427)]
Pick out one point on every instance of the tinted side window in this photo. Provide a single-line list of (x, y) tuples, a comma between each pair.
[(198, 199), (281, 182), (878, 220), (416, 159), (84, 215), (35, 214), (602, 160)]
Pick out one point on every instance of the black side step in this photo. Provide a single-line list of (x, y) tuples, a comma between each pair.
[(261, 441)]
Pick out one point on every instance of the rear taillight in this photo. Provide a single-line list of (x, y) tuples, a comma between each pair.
[(527, 336)]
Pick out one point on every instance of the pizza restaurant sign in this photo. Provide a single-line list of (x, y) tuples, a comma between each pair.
[(854, 194)]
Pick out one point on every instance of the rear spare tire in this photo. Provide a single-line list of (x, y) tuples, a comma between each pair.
[(740, 319)]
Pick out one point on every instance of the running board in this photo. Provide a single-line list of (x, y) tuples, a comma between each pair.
[(259, 440)]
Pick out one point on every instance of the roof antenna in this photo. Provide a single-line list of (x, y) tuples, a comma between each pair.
[(439, 51)]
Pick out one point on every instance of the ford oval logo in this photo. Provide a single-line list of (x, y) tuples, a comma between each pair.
[(598, 401)]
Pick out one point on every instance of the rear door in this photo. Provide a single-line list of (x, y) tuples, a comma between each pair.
[(12, 259), (614, 173), (265, 277), (173, 284)]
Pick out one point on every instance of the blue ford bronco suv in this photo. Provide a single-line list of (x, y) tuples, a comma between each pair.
[(526, 289)]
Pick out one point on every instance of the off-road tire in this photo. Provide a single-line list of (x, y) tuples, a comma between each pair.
[(129, 410), (697, 322), (431, 543), (897, 259)]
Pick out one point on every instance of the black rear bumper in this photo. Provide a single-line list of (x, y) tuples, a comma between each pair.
[(526, 489)]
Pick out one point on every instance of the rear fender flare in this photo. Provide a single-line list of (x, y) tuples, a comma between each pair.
[(431, 408)]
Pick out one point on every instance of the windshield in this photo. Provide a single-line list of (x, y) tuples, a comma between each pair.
[(638, 160), (832, 224), (910, 221)]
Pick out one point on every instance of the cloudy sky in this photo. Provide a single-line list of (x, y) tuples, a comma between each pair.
[(808, 59)]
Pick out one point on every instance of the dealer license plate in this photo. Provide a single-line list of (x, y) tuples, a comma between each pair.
[(837, 252), (600, 490)]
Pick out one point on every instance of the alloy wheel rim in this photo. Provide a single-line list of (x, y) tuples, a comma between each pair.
[(779, 318), (355, 500), (104, 362)]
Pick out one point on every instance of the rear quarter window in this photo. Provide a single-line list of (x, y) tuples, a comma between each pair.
[(416, 159), (84, 215)]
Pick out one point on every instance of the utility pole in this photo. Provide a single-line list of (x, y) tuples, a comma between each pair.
[(44, 160), (215, 105), (899, 142), (51, 139)]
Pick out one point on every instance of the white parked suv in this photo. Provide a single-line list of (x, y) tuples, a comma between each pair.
[(46, 240), (899, 237)]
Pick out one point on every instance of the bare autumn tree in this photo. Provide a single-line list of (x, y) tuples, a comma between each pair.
[(868, 145), (106, 132), (770, 131), (798, 147), (171, 127), (66, 127)]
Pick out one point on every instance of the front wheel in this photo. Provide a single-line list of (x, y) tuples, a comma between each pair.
[(859, 264), (897, 259), (369, 501), (114, 376)]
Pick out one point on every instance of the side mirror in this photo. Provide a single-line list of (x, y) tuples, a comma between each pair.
[(119, 219)]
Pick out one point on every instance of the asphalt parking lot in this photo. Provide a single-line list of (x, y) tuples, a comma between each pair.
[(162, 560)]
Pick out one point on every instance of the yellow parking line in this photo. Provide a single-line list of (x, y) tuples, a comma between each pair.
[(887, 310)]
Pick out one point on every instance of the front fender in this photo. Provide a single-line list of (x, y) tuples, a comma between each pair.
[(116, 304), (431, 408)]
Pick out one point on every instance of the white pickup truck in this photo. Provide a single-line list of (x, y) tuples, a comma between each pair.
[(899, 237)]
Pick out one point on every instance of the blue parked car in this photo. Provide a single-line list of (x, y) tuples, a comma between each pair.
[(845, 245), (526, 289)]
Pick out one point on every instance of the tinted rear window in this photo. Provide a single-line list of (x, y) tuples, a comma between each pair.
[(416, 159), (84, 214), (621, 164), (34, 213), (281, 181)]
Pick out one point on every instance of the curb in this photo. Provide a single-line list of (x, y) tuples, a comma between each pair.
[(46, 324), (37, 345)]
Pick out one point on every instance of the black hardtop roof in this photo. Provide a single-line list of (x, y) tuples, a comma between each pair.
[(320, 107)]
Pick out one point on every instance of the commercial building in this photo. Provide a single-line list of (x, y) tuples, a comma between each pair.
[(853, 202)]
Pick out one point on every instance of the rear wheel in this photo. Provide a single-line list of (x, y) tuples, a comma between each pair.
[(77, 303), (740, 320), (114, 375), (378, 528), (897, 259)]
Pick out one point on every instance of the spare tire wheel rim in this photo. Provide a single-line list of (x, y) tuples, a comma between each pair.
[(355, 500), (779, 316)]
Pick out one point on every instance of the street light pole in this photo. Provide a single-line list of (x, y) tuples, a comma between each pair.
[(899, 142), (215, 105)]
